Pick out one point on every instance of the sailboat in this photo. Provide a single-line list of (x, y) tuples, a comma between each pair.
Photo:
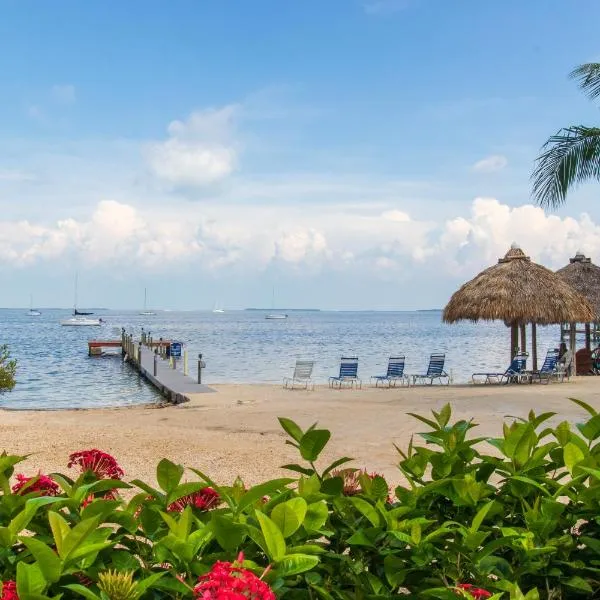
[(216, 308), (79, 317), (33, 312), (146, 312), (274, 316)]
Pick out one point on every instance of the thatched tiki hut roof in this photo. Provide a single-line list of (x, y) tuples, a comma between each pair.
[(518, 291), (584, 277)]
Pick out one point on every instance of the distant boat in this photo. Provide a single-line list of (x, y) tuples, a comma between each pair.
[(146, 312), (274, 316), (216, 308), (81, 322), (78, 313), (32, 311)]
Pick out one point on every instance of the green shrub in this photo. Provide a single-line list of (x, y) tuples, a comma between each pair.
[(8, 369), (520, 522)]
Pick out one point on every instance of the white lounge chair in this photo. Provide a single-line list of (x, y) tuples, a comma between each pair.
[(302, 376)]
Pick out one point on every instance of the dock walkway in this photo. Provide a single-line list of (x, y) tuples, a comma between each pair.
[(148, 357)]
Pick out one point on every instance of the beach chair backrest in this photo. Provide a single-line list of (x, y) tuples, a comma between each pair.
[(303, 369), (436, 364), (348, 366), (396, 366), (549, 362), (518, 364)]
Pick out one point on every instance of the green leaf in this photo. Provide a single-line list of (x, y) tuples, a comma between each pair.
[(291, 428), (444, 415), (590, 429), (572, 455), (298, 469), (429, 422), (168, 475), (45, 557), (147, 582), (316, 516), (82, 591), (30, 581), (289, 516), (292, 564), (332, 486), (480, 516), (273, 537), (264, 489), (592, 411), (580, 584), (229, 535), (77, 536), (365, 509), (313, 442), (336, 463), (60, 529)]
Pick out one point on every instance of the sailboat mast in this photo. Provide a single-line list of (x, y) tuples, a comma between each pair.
[(75, 295), (145, 296)]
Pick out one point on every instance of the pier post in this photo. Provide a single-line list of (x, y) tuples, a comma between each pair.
[(123, 349), (161, 348), (185, 362), (143, 337), (201, 365), (149, 339), (140, 355), (155, 362)]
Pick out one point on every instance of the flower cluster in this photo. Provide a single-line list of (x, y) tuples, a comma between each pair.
[(229, 581), (352, 477), (474, 592), (42, 484), (101, 464), (203, 499), (9, 591)]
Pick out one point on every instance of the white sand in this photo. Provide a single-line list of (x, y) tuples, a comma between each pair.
[(235, 431)]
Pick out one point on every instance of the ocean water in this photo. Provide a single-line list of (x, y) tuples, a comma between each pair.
[(54, 370)]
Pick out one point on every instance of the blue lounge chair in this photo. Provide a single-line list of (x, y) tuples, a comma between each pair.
[(301, 376), (348, 373), (514, 374), (395, 373), (549, 369), (435, 370)]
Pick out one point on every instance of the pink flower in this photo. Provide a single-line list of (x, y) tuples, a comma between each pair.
[(101, 464), (475, 592), (42, 484), (351, 479), (9, 591), (203, 499), (227, 581)]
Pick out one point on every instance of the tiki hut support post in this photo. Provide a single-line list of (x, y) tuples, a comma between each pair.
[(523, 329), (572, 345), (514, 340), (534, 346), (588, 335)]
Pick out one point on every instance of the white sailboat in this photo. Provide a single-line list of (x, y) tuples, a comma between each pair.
[(217, 309), (33, 312), (80, 319), (274, 315), (146, 312)]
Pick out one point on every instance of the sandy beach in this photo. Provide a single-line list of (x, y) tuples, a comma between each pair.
[(235, 430)]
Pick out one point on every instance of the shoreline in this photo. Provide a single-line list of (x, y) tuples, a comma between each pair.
[(235, 430)]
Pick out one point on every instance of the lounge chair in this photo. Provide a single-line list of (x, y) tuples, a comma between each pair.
[(514, 374), (435, 370), (395, 373), (348, 373), (301, 376), (549, 369)]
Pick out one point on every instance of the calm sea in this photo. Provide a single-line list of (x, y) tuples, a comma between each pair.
[(239, 347)]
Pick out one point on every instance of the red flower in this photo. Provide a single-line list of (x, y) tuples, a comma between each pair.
[(101, 464), (475, 592), (227, 581), (9, 591), (203, 499), (43, 484)]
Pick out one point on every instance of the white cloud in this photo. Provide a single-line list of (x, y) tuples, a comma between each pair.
[(15, 175), (396, 215), (490, 164), (63, 94), (199, 151)]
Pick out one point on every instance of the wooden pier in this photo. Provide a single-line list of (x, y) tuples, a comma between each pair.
[(151, 359)]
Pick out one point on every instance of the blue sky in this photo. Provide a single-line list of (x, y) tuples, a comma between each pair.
[(351, 153)]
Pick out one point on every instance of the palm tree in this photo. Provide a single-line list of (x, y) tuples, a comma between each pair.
[(572, 156)]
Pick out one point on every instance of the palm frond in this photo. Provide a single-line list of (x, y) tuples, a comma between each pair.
[(588, 77), (569, 158)]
